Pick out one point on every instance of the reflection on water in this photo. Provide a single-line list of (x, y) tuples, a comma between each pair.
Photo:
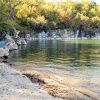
[(68, 55)]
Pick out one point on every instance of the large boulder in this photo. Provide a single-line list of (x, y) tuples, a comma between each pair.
[(11, 45)]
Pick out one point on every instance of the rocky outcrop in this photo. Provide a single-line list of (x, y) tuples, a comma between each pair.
[(4, 52), (21, 41), (11, 44), (18, 41)]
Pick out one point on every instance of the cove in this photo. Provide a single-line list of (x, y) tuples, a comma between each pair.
[(76, 56)]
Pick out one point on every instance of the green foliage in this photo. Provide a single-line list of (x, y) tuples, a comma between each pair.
[(3, 15), (37, 15)]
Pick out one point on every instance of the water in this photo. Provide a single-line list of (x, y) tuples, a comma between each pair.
[(2, 44), (76, 56)]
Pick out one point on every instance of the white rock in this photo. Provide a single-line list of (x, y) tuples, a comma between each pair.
[(11, 45), (28, 37), (15, 86), (4, 52), (19, 42), (23, 41)]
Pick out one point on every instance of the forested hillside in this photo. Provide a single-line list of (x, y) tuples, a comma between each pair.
[(37, 15)]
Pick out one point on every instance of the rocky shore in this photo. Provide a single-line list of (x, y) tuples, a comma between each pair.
[(67, 88), (16, 86), (10, 43), (25, 83), (62, 85)]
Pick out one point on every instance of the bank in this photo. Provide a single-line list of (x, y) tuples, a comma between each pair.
[(16, 86), (61, 84)]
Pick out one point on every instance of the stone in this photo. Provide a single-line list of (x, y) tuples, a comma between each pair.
[(19, 42), (13, 86), (4, 52), (23, 41), (11, 45)]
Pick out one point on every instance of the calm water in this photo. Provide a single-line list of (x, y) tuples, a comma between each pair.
[(72, 55), (2, 44)]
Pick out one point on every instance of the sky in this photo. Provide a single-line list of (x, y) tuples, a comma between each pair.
[(97, 1)]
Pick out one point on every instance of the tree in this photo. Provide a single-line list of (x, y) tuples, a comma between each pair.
[(37, 15), (4, 16)]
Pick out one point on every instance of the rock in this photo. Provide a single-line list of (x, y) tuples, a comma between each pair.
[(23, 41), (28, 37), (4, 52), (19, 42), (15, 86), (11, 45), (16, 33)]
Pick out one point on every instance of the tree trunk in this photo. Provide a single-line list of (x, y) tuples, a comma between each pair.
[(80, 31)]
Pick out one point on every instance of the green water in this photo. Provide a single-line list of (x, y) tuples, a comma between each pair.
[(70, 55)]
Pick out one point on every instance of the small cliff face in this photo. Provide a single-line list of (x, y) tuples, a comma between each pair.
[(15, 86)]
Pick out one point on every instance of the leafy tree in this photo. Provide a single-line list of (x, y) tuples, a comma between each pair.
[(4, 16), (37, 15)]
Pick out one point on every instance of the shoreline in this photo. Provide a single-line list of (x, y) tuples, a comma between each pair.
[(44, 84), (16, 86), (66, 87)]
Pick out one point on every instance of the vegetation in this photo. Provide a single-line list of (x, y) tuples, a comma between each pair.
[(37, 15)]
